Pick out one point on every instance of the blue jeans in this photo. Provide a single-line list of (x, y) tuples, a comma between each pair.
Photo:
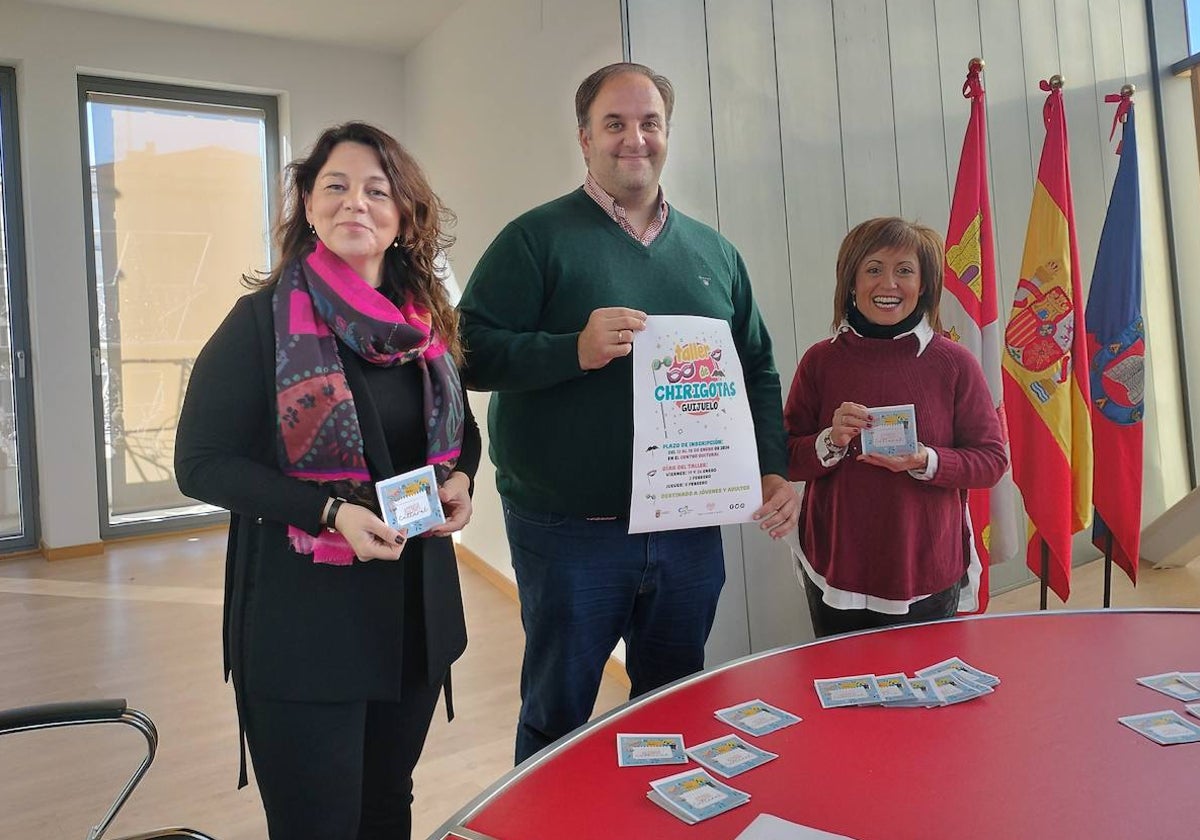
[(583, 585)]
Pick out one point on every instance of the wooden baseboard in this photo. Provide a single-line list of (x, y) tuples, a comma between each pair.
[(613, 668), (69, 552), (486, 570)]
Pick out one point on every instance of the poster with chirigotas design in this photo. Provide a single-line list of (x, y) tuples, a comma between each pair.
[(695, 462)]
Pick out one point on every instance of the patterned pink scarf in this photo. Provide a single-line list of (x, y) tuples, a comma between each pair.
[(320, 297)]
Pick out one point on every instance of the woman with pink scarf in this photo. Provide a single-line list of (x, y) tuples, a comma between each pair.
[(339, 371)]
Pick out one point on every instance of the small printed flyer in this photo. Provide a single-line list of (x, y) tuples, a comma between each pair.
[(695, 462)]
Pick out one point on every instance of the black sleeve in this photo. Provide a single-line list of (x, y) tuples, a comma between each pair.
[(472, 444), (225, 446)]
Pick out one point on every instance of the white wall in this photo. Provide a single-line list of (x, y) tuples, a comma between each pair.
[(489, 112), (318, 85)]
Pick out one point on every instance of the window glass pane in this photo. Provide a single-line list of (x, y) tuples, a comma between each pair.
[(179, 213), (1193, 25), (10, 489)]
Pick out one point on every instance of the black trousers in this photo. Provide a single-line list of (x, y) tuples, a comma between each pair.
[(828, 621), (339, 771)]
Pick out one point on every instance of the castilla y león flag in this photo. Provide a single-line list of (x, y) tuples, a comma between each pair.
[(1116, 352), (969, 313), (1046, 389)]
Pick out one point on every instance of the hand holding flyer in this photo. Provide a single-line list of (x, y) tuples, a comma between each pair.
[(893, 431), (409, 501)]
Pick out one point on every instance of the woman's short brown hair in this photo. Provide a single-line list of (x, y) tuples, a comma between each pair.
[(886, 233)]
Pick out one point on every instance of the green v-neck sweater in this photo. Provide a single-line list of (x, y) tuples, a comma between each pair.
[(562, 438)]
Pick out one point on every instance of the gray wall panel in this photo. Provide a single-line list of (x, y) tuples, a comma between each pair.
[(1108, 60), (1039, 48), (860, 31), (751, 210), (810, 125), (957, 25), (689, 178), (1011, 148), (749, 158), (1080, 97), (917, 112)]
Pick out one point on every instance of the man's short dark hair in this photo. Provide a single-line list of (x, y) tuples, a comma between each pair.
[(590, 88)]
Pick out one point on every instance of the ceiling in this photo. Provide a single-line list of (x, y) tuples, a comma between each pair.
[(390, 26)]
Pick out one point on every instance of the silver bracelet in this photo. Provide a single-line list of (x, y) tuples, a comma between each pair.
[(827, 439)]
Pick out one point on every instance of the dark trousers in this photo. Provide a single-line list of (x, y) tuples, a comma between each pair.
[(827, 621), (584, 584), (339, 771)]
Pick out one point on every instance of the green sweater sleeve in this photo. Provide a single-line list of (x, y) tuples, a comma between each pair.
[(500, 311), (758, 365)]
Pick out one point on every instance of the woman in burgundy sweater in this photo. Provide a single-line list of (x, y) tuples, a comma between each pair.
[(885, 539)]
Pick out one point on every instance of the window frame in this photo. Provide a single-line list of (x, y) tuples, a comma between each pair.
[(168, 92), (18, 302)]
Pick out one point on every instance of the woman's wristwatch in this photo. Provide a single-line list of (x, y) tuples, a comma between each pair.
[(329, 516)]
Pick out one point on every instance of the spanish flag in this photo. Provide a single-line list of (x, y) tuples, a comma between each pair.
[(1116, 350), (970, 315), (1046, 366)]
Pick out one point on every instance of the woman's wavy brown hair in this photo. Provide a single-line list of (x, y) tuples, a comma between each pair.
[(887, 233), (407, 270)]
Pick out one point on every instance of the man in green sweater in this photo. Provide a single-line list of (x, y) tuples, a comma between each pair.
[(549, 318)]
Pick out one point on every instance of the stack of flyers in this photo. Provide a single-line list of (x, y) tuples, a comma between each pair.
[(947, 682), (972, 674), (958, 681), (860, 690), (1176, 685), (695, 795), (730, 756), (410, 502), (1164, 727), (756, 717), (893, 431), (955, 686), (645, 750)]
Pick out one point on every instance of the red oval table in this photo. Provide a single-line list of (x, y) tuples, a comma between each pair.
[(1042, 757)]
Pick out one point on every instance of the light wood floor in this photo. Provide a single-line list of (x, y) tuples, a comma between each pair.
[(143, 622)]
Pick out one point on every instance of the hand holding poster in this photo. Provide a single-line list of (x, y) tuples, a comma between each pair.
[(695, 462)]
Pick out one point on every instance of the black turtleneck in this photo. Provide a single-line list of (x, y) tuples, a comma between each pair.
[(869, 329)]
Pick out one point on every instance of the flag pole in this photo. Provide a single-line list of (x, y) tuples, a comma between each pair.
[(1124, 100), (1056, 82), (1045, 570), (1108, 570)]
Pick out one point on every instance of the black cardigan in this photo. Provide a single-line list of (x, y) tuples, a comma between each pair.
[(294, 629)]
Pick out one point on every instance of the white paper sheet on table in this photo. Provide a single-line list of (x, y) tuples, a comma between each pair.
[(767, 827), (695, 460)]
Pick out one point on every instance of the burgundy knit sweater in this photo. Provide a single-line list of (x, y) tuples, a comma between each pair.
[(864, 528)]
